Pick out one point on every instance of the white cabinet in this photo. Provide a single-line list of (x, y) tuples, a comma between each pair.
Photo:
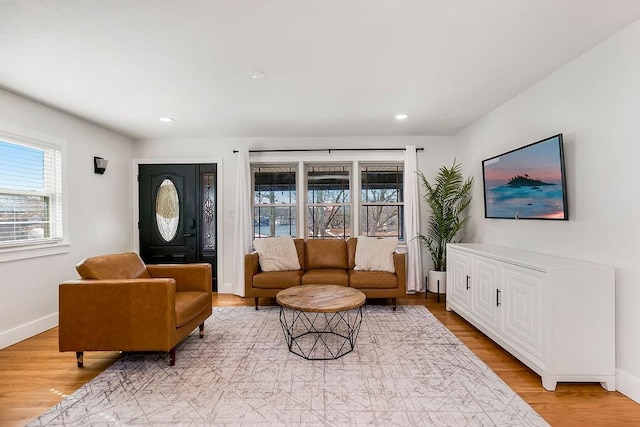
[(458, 271), (521, 309), (485, 295), (554, 314)]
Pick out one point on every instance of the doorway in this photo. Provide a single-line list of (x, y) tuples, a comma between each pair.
[(178, 214)]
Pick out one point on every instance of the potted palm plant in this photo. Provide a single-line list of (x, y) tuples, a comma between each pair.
[(448, 196)]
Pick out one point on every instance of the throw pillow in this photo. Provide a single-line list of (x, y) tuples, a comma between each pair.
[(277, 254), (373, 254)]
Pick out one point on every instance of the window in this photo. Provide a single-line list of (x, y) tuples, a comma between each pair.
[(30, 192), (381, 200), (274, 201), (338, 199), (328, 201)]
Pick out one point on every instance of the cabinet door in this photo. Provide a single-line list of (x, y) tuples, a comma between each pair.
[(484, 297), (458, 271), (522, 310)]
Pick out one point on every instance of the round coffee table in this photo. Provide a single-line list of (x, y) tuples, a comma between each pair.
[(320, 322)]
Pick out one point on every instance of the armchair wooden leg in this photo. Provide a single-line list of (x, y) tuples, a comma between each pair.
[(201, 330), (172, 356), (80, 358), (256, 299), (393, 300)]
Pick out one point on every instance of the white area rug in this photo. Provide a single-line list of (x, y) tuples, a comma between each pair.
[(406, 369)]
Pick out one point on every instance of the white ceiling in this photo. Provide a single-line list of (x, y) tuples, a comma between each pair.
[(333, 67)]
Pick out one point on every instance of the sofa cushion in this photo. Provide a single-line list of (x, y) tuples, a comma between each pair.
[(351, 252), (277, 279), (373, 254), (300, 249), (372, 280), (277, 254), (326, 276), (127, 265), (189, 304), (326, 253)]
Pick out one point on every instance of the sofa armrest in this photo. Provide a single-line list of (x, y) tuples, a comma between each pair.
[(188, 277), (251, 268), (400, 267), (120, 314)]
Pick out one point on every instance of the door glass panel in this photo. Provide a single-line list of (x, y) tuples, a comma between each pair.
[(167, 210), (208, 190)]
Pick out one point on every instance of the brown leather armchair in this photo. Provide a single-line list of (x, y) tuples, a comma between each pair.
[(122, 304)]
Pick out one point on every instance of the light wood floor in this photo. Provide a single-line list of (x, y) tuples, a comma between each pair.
[(34, 376)]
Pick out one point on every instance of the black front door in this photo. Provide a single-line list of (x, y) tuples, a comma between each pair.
[(177, 214)]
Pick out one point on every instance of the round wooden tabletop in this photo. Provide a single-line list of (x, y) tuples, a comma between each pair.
[(321, 298)]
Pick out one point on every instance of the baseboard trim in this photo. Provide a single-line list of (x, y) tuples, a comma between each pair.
[(28, 330), (226, 288), (628, 385)]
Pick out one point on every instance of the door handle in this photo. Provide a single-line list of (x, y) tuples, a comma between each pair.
[(193, 226), (498, 302), (468, 281)]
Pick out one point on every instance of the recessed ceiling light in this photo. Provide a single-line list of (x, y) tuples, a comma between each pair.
[(167, 119), (257, 75), (402, 116)]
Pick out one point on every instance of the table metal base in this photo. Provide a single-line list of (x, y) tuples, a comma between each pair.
[(320, 336)]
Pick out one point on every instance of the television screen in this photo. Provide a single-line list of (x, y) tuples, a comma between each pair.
[(526, 183)]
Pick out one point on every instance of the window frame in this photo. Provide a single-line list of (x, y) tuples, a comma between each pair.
[(302, 160), (295, 206), (399, 204), (350, 204), (46, 246)]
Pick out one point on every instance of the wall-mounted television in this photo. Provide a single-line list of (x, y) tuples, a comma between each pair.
[(527, 183)]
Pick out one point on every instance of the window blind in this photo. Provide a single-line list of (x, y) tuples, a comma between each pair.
[(30, 193)]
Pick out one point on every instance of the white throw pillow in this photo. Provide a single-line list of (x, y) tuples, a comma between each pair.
[(373, 254), (277, 254)]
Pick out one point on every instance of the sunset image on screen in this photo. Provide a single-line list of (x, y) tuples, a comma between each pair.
[(526, 183)]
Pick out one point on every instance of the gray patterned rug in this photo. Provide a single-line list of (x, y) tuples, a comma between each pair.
[(406, 369)]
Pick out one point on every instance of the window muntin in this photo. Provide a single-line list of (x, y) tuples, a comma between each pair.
[(274, 200), (328, 201), (381, 200), (30, 193)]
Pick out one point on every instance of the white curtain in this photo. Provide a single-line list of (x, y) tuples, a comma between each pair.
[(412, 220), (242, 233)]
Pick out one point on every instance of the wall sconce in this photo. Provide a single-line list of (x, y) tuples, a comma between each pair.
[(100, 165)]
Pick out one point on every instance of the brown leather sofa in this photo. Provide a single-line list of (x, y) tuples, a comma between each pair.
[(122, 304), (329, 262)]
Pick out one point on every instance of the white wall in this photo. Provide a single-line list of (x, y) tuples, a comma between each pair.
[(99, 208), (595, 102), (438, 151)]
